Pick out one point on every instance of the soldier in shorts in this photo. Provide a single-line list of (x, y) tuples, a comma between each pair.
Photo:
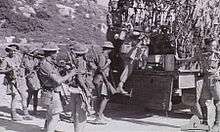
[(51, 82), (15, 80), (32, 79), (104, 88), (80, 94)]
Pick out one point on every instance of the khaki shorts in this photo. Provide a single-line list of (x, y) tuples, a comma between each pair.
[(53, 103)]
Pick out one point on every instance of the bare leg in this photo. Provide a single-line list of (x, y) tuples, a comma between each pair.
[(124, 76), (14, 115), (24, 96), (102, 106)]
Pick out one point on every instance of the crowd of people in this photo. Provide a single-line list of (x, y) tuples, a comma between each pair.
[(187, 29), (29, 70)]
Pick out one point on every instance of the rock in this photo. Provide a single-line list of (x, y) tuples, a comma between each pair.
[(2, 22), (103, 27), (76, 5), (87, 16), (23, 40), (27, 10), (66, 11), (10, 39), (38, 2)]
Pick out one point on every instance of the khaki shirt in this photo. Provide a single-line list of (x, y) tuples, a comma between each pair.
[(102, 60), (47, 69), (30, 62), (16, 63), (33, 82)]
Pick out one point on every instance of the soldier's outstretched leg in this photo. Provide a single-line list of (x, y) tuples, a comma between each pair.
[(22, 90), (123, 78), (24, 95), (14, 114)]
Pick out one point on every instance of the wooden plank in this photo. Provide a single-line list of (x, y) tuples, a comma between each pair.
[(153, 92)]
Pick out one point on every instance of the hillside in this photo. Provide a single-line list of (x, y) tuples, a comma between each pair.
[(61, 21)]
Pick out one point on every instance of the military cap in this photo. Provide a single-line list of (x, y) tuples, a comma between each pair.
[(12, 47), (78, 48), (50, 46), (108, 44)]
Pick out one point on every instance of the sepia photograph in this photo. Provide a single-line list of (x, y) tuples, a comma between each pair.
[(109, 65)]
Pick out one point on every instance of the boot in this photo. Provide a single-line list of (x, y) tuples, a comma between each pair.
[(26, 115), (216, 127), (15, 116)]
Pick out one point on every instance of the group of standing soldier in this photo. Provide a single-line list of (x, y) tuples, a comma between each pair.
[(29, 70)]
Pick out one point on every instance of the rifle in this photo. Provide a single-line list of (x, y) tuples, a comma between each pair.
[(83, 91), (108, 84)]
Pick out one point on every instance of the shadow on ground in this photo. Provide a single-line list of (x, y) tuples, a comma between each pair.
[(18, 127), (146, 123), (40, 113)]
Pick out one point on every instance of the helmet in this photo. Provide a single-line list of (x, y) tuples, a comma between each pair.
[(78, 48), (50, 46), (108, 44)]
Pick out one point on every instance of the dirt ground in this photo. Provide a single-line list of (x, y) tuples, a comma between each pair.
[(126, 118)]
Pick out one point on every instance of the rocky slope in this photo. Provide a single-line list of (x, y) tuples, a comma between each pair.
[(61, 21)]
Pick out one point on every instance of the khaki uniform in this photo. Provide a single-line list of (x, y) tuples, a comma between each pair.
[(32, 79), (51, 93), (33, 82), (50, 86), (15, 80), (101, 86), (78, 105)]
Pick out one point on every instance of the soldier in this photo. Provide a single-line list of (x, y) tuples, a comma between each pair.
[(80, 94), (15, 80), (51, 81), (214, 71), (137, 51), (209, 62), (32, 79), (104, 88)]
